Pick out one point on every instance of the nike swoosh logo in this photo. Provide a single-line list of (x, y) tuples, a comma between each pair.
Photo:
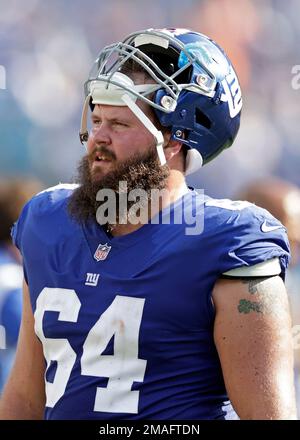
[(265, 228)]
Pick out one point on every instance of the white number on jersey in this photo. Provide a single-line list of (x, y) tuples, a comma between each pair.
[(122, 319), (66, 302)]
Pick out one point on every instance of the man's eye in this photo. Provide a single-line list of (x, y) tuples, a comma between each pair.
[(96, 122), (120, 124)]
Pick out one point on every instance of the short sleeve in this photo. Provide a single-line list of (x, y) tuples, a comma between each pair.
[(249, 236)]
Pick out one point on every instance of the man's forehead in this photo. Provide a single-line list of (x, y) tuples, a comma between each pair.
[(120, 111), (100, 108)]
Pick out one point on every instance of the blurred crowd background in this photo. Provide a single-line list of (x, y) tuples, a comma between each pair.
[(48, 47)]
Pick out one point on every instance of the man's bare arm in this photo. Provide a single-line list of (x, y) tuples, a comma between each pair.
[(24, 395), (253, 337)]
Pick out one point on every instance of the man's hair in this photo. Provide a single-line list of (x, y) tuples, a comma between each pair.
[(132, 67)]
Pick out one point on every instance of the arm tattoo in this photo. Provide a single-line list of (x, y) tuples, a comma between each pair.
[(266, 299), (246, 306), (254, 283)]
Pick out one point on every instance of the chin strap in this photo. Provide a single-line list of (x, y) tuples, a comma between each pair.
[(149, 125)]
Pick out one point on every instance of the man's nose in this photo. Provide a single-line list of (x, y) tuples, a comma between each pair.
[(99, 135)]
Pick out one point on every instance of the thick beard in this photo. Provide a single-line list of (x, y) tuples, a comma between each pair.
[(142, 171)]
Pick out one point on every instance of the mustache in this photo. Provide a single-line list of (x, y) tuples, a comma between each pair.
[(101, 149)]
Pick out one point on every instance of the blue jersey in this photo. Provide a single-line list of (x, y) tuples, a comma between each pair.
[(127, 322)]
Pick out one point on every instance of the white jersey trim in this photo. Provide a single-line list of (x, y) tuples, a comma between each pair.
[(60, 186), (266, 268)]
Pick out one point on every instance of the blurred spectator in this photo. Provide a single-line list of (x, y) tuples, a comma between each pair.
[(282, 199), (13, 195)]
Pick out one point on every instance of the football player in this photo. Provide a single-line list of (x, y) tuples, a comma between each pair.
[(150, 319)]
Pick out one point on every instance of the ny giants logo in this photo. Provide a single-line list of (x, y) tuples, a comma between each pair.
[(296, 78), (92, 279), (2, 337), (233, 94)]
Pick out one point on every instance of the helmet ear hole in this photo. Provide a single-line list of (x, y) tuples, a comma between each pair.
[(202, 119)]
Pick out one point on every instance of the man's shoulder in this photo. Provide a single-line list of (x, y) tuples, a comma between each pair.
[(240, 216), (44, 216), (228, 210), (246, 234), (51, 198), (237, 218)]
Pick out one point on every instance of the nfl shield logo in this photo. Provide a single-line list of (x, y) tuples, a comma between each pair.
[(102, 252)]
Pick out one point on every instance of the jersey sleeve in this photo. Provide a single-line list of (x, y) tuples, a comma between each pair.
[(248, 237)]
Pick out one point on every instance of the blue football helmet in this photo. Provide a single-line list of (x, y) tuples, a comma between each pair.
[(195, 90)]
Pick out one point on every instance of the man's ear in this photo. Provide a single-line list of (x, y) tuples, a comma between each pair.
[(171, 147)]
